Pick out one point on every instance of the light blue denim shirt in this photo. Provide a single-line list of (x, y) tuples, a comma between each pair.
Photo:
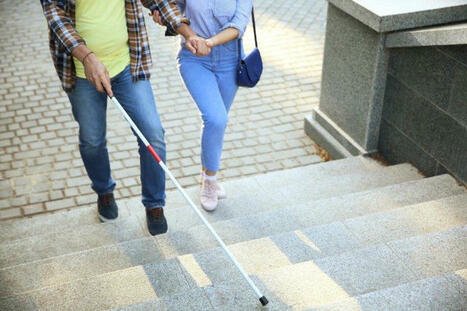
[(209, 17)]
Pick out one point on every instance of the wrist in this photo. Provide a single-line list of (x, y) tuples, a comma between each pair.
[(185, 31), (89, 59), (80, 52), (212, 41), (86, 57)]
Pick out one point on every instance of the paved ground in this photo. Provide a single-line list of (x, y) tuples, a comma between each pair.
[(40, 167)]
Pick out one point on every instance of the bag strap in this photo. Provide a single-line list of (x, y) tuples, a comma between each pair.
[(254, 32), (254, 25)]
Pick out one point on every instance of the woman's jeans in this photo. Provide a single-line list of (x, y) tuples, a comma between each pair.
[(211, 81), (89, 110)]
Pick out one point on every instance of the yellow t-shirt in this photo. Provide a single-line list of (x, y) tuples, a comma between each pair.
[(102, 24)]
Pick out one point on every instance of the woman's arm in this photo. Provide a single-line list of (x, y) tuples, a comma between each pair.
[(222, 37), (236, 27)]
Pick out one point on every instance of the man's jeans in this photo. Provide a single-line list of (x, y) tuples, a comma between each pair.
[(89, 110)]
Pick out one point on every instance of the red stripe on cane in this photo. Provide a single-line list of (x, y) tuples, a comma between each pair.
[(154, 153)]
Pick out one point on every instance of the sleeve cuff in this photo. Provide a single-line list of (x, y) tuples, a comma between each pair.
[(175, 23), (75, 45)]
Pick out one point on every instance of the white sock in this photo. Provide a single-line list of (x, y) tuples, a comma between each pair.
[(208, 177)]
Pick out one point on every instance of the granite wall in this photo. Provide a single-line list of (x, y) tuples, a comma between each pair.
[(424, 118)]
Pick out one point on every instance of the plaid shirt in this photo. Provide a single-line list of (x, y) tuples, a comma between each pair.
[(63, 38)]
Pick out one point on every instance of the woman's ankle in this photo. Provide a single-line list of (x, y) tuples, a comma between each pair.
[(209, 175)]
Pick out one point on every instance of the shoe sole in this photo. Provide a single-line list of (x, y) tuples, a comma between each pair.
[(103, 219), (207, 209), (158, 232)]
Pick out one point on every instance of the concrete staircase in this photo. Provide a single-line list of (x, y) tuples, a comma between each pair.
[(343, 235)]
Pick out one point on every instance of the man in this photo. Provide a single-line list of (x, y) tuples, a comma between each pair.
[(100, 48)]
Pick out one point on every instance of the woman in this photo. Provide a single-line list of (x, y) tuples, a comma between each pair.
[(210, 77)]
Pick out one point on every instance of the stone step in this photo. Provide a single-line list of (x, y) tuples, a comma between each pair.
[(305, 285), (16, 229), (256, 225), (444, 292), (326, 280), (58, 243), (374, 199), (276, 179), (256, 198), (142, 251), (210, 266), (39, 247), (413, 220), (59, 221)]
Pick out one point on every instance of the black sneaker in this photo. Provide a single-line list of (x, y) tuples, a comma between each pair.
[(157, 224), (107, 207)]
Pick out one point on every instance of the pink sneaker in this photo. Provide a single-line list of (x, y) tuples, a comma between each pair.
[(221, 194), (208, 195)]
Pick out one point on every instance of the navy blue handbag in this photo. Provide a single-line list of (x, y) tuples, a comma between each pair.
[(249, 68)]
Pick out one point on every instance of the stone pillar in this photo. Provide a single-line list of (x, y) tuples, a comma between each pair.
[(355, 64), (353, 80)]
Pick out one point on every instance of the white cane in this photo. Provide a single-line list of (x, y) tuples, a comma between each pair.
[(151, 150)]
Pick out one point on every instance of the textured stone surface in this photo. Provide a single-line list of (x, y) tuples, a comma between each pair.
[(316, 242), (307, 238), (251, 227), (320, 282), (306, 192), (429, 294), (409, 221), (303, 256), (434, 254), (39, 157), (334, 147), (237, 295), (354, 74), (55, 244), (398, 148), (113, 290), (193, 299), (389, 15), (240, 203), (424, 114), (49, 223), (439, 35), (66, 268)]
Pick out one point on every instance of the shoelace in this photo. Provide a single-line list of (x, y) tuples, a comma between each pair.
[(210, 187)]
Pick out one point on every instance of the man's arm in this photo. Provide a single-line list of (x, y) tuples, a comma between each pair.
[(171, 14), (151, 5), (62, 27), (168, 14)]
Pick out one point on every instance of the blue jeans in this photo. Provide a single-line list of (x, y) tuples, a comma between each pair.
[(89, 110), (211, 81)]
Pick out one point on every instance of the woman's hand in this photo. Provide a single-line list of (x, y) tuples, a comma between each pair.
[(197, 45)]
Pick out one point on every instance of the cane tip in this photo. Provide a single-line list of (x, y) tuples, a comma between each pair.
[(264, 301)]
